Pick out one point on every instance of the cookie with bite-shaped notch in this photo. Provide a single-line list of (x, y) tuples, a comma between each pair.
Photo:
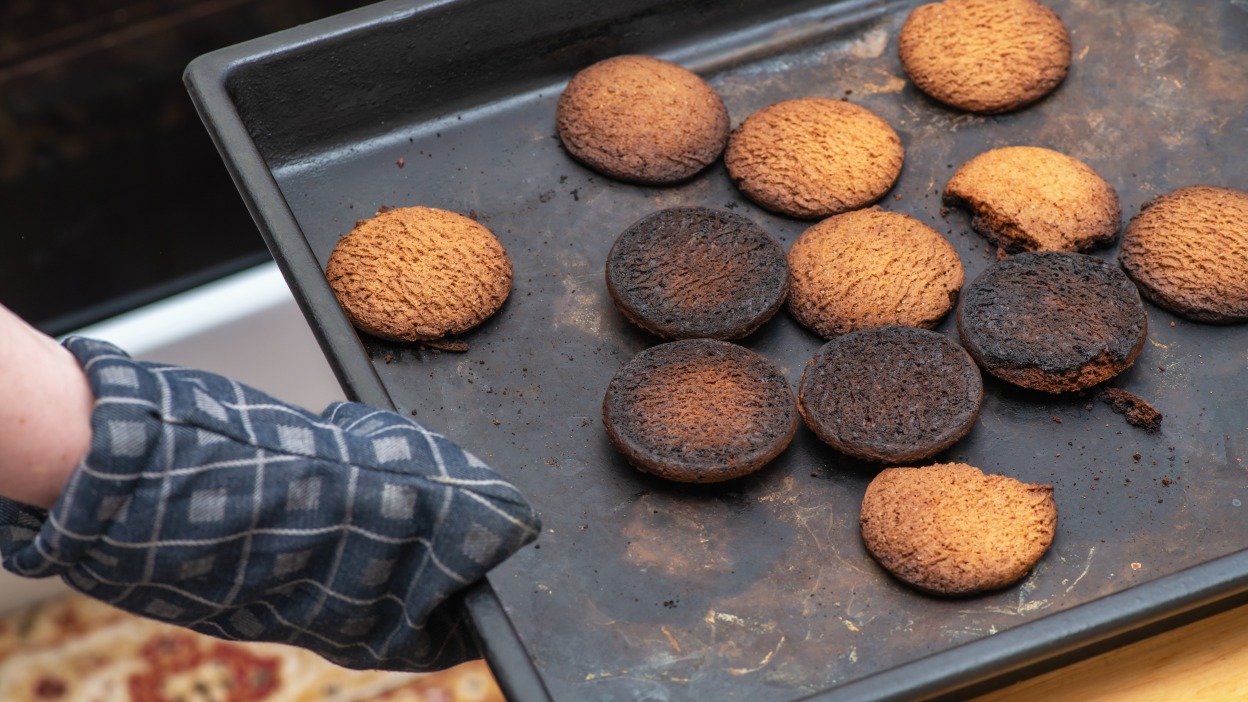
[(949, 529), (1028, 198)]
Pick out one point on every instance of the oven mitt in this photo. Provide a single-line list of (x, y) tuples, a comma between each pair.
[(211, 505)]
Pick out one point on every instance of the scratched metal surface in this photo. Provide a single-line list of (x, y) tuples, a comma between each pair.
[(760, 589)]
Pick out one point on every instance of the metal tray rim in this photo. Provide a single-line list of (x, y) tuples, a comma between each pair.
[(975, 667)]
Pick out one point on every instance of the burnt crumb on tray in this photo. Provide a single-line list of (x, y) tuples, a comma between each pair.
[(450, 345), (1138, 412)]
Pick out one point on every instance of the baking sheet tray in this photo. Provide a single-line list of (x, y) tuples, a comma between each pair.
[(757, 589)]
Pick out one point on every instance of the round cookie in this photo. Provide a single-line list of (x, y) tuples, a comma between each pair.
[(641, 119), (890, 394), (1027, 198), (1188, 252), (1053, 321), (699, 411), (871, 268), (697, 272), (985, 56), (949, 529), (813, 157), (419, 274)]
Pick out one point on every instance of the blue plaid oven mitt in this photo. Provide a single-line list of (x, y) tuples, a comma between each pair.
[(211, 505)]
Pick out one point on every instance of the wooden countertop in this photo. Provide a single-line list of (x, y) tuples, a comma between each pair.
[(1206, 661)]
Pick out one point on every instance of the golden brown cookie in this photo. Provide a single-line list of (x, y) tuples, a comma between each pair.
[(697, 272), (1188, 252), (890, 394), (871, 268), (1026, 198), (948, 529), (1053, 321), (699, 411), (419, 274), (641, 119), (985, 56), (814, 157)]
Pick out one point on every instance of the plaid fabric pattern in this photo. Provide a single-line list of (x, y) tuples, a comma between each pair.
[(211, 505)]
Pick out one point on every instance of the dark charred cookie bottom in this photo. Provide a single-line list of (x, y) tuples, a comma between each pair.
[(699, 411), (697, 272), (891, 394), (1053, 321)]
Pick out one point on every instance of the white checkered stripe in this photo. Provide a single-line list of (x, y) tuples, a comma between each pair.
[(211, 505)]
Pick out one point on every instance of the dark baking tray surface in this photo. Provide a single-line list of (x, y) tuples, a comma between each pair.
[(758, 589)]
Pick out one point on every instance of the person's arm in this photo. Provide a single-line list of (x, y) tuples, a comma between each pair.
[(208, 504), (45, 413)]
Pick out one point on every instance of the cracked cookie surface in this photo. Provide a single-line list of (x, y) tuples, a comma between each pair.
[(1027, 198), (1188, 252), (872, 268), (641, 119), (813, 157), (986, 56), (419, 274)]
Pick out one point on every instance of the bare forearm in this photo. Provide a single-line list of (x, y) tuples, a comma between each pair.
[(45, 415)]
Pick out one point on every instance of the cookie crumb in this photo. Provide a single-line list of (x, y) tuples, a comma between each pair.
[(452, 345), (1137, 411)]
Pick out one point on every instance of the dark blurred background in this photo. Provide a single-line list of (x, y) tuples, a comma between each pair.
[(112, 195)]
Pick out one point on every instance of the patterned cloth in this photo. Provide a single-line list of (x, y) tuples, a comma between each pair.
[(214, 506), (72, 648)]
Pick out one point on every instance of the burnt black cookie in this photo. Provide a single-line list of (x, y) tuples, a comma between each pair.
[(890, 394), (1053, 321), (699, 411), (697, 272)]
